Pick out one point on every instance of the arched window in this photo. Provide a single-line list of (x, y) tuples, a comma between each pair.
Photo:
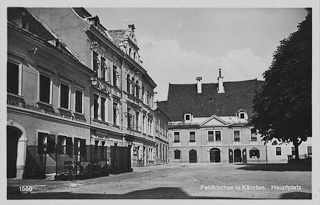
[(177, 154), (254, 153)]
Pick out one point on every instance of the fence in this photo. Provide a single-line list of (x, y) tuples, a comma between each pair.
[(71, 162)]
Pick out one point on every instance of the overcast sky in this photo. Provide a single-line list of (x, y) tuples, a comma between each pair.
[(179, 44)]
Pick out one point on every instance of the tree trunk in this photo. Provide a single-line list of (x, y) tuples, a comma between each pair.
[(296, 144)]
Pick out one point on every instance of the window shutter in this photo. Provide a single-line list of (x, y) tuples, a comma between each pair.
[(51, 144), (69, 146), (258, 153), (83, 147)]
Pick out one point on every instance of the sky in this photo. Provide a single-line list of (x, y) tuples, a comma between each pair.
[(177, 45)]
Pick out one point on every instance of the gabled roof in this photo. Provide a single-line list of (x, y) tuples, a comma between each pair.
[(183, 98), (214, 119)]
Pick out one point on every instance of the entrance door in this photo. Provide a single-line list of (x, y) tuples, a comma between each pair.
[(13, 135), (244, 155), (230, 156), (214, 155), (192, 156), (237, 155)]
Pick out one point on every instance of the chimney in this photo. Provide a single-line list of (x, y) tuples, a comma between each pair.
[(199, 84), (220, 83)]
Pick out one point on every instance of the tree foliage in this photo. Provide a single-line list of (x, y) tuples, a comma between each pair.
[(282, 108)]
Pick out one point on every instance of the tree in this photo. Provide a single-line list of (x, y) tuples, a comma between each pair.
[(282, 108)]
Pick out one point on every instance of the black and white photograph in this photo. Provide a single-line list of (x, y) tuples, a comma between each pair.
[(159, 100)]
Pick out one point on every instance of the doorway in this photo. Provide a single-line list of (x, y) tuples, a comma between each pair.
[(237, 155), (13, 135), (192, 156), (215, 155)]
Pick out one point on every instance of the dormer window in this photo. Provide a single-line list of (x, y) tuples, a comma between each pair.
[(187, 117), (242, 114)]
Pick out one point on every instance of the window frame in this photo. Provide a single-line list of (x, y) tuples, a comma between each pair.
[(209, 135), (278, 152), (76, 100), (215, 136), (234, 136), (309, 150), (194, 140), (19, 64), (177, 154), (102, 107), (41, 73), (64, 83), (96, 106), (174, 137)]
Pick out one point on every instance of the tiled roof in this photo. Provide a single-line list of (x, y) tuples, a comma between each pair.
[(183, 98), (162, 105)]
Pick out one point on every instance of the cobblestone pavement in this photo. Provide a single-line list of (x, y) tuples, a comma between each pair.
[(179, 181)]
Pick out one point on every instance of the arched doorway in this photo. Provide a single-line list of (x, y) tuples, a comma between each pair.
[(215, 155), (237, 155), (13, 135), (192, 156)]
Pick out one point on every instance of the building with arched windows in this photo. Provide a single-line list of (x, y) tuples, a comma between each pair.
[(211, 123)]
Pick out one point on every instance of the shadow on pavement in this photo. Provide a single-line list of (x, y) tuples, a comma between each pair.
[(156, 193), (296, 195), (276, 167)]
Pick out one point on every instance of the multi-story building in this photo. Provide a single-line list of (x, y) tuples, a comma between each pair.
[(210, 123), (122, 97), (48, 97), (160, 155)]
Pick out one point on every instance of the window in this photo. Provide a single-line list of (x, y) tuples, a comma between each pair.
[(65, 145), (177, 154), (46, 143), (241, 115), (95, 106), (187, 117), (132, 87), (45, 88), (103, 68), (254, 153), (115, 113), (293, 150), (142, 95), (236, 134), (62, 144), (78, 102), (176, 136), (137, 120), (128, 83), (115, 76), (64, 96), (103, 109), (253, 134), (210, 136), (218, 135), (12, 78), (309, 150), (76, 146), (137, 89), (95, 63), (192, 136), (128, 118), (278, 151)]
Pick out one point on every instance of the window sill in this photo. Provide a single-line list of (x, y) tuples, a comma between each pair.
[(44, 103), (64, 109), (15, 95)]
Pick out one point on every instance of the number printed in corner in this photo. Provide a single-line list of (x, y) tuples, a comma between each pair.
[(25, 188)]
